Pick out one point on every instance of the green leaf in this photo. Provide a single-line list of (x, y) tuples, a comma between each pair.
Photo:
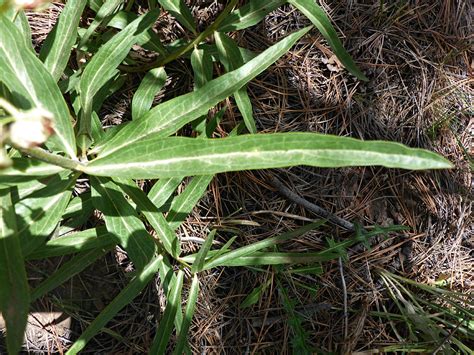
[(79, 204), (154, 156), (181, 12), (188, 316), (126, 296), (153, 216), (255, 247), (148, 40), (24, 74), (184, 203), (72, 267), (21, 21), (103, 15), (171, 115), (255, 295), (249, 15), (103, 65), (202, 65), (319, 18), (143, 98), (94, 238), (25, 169), (14, 292), (165, 327), (39, 214), (163, 189), (122, 220), (277, 258), (56, 49), (230, 57), (198, 264)]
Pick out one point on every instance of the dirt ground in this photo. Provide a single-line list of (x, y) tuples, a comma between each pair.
[(417, 55)]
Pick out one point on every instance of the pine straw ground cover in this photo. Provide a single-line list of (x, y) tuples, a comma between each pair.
[(417, 57)]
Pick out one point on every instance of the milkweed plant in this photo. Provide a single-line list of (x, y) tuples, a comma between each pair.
[(52, 134)]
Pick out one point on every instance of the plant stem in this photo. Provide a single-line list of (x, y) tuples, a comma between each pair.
[(50, 158), (203, 35)]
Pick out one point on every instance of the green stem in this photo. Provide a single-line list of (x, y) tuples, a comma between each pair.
[(50, 158), (203, 35)]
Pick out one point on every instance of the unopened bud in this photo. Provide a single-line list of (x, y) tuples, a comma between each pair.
[(32, 128), (30, 4)]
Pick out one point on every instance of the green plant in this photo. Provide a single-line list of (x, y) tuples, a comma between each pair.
[(427, 318), (51, 134)]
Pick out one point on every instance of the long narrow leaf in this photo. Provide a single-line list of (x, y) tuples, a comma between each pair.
[(188, 316), (255, 247), (25, 169), (131, 291), (14, 293), (153, 215), (104, 63), (273, 258), (154, 156), (230, 56), (319, 18), (163, 190), (56, 49), (24, 74), (198, 264), (183, 204), (122, 220), (168, 117), (165, 327), (39, 214), (151, 84), (94, 238)]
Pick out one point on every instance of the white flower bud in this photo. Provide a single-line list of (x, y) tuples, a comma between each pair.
[(29, 4), (31, 128)]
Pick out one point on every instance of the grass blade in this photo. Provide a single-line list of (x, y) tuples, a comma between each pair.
[(56, 49), (319, 18), (154, 156), (122, 220), (168, 117), (188, 316), (103, 65), (126, 296), (24, 74), (163, 333), (151, 84), (14, 292)]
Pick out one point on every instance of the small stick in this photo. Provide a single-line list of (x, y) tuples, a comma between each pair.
[(321, 212)]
